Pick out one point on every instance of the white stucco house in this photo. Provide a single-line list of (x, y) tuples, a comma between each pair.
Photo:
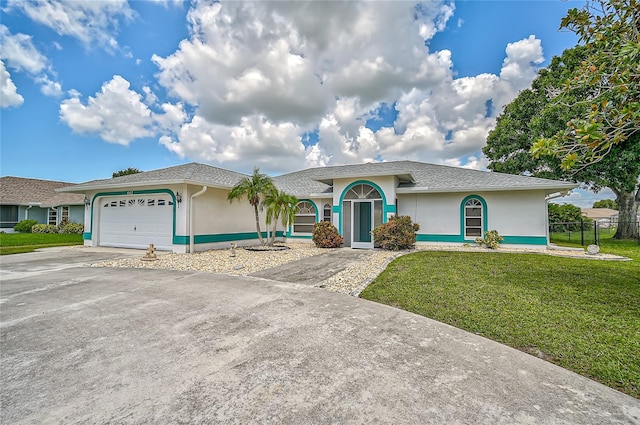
[(186, 206)]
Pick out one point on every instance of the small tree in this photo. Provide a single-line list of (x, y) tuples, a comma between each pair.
[(126, 172), (606, 203), (279, 206), (253, 188)]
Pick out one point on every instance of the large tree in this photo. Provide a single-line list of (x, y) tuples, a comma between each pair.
[(126, 172), (535, 114), (608, 115), (254, 188)]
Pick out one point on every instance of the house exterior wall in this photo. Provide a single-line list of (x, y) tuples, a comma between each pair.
[(519, 216)]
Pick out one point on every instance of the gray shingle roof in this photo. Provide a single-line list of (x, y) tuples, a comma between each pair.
[(413, 176), (193, 173), (22, 191)]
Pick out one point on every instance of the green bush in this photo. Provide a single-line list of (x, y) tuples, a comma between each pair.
[(44, 228), (397, 234), (72, 228), (491, 239), (25, 226), (325, 235)]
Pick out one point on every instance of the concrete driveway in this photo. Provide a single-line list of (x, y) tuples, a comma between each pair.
[(98, 345)]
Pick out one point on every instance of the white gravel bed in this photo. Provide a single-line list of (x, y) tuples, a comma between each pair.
[(352, 281), (220, 260)]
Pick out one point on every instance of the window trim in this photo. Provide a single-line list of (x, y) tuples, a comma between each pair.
[(463, 217), (297, 214), (327, 212)]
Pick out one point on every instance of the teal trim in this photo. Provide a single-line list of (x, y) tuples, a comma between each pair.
[(485, 217), (439, 238), (289, 236), (132, 193), (385, 208), (290, 228), (525, 240), (335, 209), (512, 240), (221, 237), (86, 236)]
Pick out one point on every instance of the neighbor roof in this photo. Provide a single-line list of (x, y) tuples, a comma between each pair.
[(192, 173), (22, 191), (598, 212)]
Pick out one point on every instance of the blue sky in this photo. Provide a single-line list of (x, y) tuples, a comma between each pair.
[(89, 88)]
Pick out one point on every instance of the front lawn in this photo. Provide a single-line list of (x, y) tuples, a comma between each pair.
[(583, 315), (16, 243)]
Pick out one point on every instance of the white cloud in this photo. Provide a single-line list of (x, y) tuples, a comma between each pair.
[(116, 113), (253, 77), (19, 52), (8, 91), (22, 56), (88, 21)]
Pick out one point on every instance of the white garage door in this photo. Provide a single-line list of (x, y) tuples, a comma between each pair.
[(137, 221)]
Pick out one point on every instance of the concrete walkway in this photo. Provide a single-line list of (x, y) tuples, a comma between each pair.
[(310, 271), (103, 345)]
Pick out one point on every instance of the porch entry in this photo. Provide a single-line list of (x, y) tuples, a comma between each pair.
[(362, 212)]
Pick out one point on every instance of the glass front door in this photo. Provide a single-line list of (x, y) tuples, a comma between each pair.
[(362, 224)]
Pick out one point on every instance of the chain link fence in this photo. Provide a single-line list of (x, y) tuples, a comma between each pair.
[(579, 232)]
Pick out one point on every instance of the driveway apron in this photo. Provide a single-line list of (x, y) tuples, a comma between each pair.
[(310, 271)]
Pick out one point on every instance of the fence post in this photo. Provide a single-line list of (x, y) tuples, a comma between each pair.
[(596, 236), (582, 232)]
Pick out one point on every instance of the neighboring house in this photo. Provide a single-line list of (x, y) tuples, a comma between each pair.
[(604, 216), (185, 207), (22, 199)]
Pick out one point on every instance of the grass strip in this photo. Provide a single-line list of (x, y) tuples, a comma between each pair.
[(583, 315)]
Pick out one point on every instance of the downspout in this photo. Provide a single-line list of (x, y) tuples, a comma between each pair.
[(191, 235), (546, 218)]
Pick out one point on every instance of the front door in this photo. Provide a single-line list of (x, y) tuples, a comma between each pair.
[(361, 224)]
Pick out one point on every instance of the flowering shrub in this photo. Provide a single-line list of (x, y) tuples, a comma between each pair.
[(72, 228), (325, 235), (397, 234), (491, 239), (44, 228)]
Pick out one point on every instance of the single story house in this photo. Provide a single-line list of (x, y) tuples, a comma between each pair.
[(22, 199), (185, 208), (604, 216)]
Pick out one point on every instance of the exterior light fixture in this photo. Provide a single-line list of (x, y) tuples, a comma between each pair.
[(87, 202), (178, 198)]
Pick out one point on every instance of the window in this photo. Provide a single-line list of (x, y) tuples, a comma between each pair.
[(8, 215), (473, 219), (305, 218), (363, 191), (65, 214), (53, 216), (326, 213)]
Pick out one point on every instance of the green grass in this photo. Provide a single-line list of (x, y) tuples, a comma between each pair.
[(583, 315), (17, 243)]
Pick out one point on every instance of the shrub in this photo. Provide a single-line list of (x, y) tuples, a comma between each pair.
[(325, 235), (397, 234), (62, 223), (44, 228), (25, 226), (72, 228), (491, 239)]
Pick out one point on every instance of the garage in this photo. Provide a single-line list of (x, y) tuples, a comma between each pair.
[(136, 221)]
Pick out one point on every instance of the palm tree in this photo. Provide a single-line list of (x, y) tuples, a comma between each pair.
[(253, 188), (279, 205)]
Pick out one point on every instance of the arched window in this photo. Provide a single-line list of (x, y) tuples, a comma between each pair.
[(326, 213), (473, 218), (305, 217)]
